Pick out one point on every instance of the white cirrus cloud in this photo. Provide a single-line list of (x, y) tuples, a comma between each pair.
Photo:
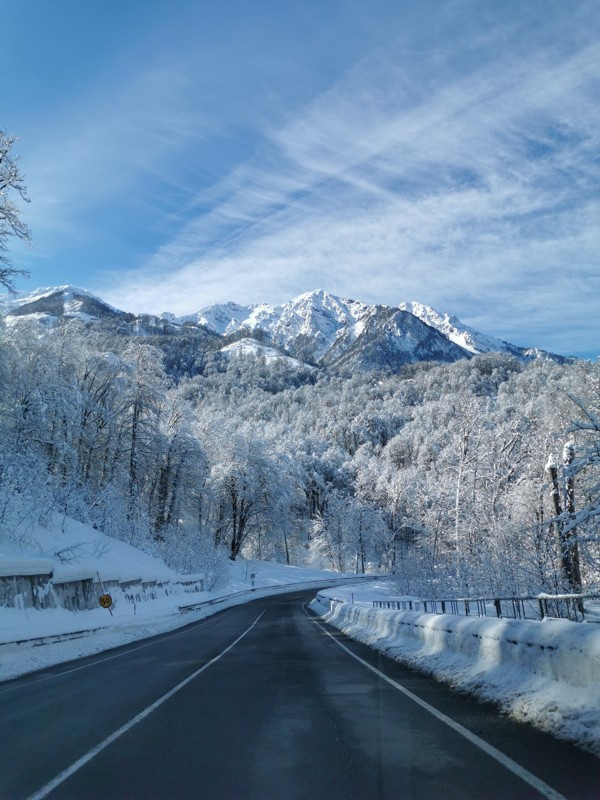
[(456, 184)]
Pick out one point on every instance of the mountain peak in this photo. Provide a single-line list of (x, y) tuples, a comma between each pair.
[(313, 294), (58, 301), (225, 318), (315, 326), (318, 297), (459, 333)]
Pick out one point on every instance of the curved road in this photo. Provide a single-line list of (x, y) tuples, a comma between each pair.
[(261, 701)]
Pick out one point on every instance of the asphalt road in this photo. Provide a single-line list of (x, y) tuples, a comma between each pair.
[(283, 713)]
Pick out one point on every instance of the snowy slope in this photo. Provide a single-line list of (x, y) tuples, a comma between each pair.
[(457, 332), (249, 346), (66, 543), (315, 328)]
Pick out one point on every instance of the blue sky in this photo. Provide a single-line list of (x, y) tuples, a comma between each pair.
[(183, 153)]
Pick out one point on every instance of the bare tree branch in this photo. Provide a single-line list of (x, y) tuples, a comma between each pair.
[(11, 224)]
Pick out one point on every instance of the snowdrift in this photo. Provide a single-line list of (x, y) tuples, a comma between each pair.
[(546, 673)]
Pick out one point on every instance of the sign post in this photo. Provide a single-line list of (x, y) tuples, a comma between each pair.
[(106, 602), (105, 599)]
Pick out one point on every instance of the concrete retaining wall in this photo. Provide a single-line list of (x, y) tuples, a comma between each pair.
[(38, 585)]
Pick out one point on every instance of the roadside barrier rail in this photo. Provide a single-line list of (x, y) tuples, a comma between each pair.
[(574, 607), (54, 638), (281, 586)]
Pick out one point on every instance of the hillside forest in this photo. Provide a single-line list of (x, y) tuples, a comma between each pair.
[(474, 478)]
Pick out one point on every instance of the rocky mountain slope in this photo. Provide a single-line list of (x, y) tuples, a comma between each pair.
[(321, 328)]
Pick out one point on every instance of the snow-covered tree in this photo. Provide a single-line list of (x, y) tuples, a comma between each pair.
[(246, 486)]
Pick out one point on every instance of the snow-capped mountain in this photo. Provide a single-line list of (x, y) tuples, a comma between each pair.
[(317, 319), (319, 327), (226, 318), (314, 328), (468, 338), (57, 302), (51, 306), (459, 333), (311, 321), (389, 338)]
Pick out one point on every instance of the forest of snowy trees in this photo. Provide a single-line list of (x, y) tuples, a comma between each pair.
[(473, 478)]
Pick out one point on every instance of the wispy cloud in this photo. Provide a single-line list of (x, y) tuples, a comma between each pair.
[(109, 146), (463, 175), (451, 181)]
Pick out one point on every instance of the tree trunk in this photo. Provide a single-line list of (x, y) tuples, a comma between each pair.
[(569, 552)]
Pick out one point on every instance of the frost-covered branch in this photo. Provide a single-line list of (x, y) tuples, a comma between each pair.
[(11, 224)]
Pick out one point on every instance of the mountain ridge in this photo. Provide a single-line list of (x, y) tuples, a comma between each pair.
[(316, 327)]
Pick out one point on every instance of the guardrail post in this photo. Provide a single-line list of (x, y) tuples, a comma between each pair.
[(563, 606), (516, 608), (542, 609), (573, 606)]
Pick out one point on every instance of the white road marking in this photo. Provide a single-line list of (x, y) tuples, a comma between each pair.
[(497, 755), (77, 765), (163, 636)]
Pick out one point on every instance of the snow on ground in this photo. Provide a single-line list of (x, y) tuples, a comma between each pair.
[(545, 673), (69, 543), (252, 347), (131, 622), (72, 548)]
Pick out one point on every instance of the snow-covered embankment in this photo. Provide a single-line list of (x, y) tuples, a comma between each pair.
[(545, 673)]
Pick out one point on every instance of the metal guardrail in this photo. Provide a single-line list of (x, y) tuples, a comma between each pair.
[(542, 606), (214, 600), (60, 637), (53, 638), (301, 584)]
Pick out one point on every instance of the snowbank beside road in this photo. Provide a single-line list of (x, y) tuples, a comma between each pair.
[(545, 673), (93, 631)]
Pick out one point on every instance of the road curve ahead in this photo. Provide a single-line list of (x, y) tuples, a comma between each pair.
[(261, 701)]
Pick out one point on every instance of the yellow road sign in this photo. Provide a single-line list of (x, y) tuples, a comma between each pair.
[(105, 600)]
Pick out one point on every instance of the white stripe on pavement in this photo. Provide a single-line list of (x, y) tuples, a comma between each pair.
[(77, 765), (497, 755)]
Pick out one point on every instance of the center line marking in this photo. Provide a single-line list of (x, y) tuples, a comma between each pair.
[(77, 765)]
